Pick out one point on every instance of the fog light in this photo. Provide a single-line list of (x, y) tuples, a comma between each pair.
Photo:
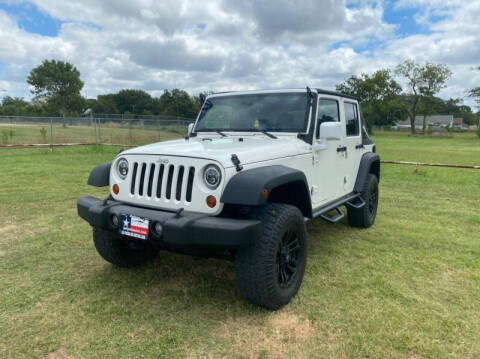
[(116, 188), (211, 201), (158, 229), (114, 220)]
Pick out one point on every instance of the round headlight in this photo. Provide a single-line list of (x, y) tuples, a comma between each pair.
[(122, 168), (212, 176)]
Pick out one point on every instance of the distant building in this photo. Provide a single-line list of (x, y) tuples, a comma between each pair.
[(442, 121)]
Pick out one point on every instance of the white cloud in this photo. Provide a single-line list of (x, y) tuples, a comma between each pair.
[(227, 44), (453, 41), (4, 87)]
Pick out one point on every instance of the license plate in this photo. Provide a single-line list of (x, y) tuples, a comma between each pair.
[(134, 226)]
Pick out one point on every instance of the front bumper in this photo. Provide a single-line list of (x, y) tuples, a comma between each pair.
[(188, 230)]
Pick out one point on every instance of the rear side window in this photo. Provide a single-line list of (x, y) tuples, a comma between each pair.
[(328, 111), (351, 119)]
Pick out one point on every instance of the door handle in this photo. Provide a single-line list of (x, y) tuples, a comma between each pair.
[(342, 149), (359, 146)]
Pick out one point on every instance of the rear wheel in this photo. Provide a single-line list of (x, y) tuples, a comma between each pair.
[(269, 273), (365, 217), (120, 252)]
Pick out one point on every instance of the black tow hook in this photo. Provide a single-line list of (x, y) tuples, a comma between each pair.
[(178, 214), (109, 198)]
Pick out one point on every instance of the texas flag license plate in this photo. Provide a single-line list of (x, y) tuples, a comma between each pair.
[(134, 226)]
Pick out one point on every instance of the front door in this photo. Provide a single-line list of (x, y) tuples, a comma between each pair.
[(327, 169)]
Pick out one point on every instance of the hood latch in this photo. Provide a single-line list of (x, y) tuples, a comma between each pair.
[(236, 162)]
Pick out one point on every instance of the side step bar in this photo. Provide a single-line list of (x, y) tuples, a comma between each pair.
[(335, 218), (357, 203), (353, 199)]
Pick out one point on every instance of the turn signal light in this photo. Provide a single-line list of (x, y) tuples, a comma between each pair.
[(211, 201), (265, 193), (116, 188)]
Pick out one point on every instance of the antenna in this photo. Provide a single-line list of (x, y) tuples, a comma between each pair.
[(309, 92)]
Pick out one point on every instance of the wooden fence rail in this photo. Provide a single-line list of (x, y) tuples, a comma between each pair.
[(430, 164), (417, 164)]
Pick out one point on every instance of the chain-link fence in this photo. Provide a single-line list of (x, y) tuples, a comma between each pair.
[(108, 129)]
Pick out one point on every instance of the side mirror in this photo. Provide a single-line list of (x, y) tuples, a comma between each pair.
[(190, 128), (331, 131)]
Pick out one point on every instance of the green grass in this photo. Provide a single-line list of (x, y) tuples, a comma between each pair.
[(407, 287), (110, 132), (460, 148)]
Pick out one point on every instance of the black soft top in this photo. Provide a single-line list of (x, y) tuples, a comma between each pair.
[(334, 93), (320, 91)]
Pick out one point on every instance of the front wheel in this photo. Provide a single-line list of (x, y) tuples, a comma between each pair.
[(269, 273)]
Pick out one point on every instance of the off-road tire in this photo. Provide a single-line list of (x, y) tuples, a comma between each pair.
[(258, 267), (120, 252), (365, 217)]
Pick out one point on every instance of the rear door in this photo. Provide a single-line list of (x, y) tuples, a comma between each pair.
[(352, 147)]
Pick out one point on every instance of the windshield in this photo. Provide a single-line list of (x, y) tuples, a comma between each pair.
[(276, 112)]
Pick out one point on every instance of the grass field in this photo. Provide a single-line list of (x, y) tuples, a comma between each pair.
[(109, 132), (460, 148), (406, 288)]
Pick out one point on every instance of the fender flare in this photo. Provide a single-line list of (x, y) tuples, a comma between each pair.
[(245, 188), (370, 163), (100, 176)]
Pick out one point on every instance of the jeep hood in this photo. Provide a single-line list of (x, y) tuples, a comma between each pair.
[(251, 149)]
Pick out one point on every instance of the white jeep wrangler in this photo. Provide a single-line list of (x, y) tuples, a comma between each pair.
[(255, 166)]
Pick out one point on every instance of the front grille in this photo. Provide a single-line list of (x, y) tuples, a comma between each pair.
[(162, 181)]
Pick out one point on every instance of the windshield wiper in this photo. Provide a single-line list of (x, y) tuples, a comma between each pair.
[(268, 134), (221, 133)]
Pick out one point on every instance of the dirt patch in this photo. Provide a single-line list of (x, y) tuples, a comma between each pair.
[(283, 335), (8, 229), (58, 354), (16, 125), (292, 325), (2, 253)]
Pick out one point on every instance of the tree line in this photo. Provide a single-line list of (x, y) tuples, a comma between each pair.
[(127, 102), (385, 101), (56, 86)]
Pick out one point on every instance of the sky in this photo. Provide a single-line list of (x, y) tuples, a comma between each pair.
[(219, 45)]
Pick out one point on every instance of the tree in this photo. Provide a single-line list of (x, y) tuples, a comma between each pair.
[(424, 81), (178, 103), (412, 72), (104, 104), (14, 106), (434, 78), (379, 94), (58, 84), (137, 102), (475, 93)]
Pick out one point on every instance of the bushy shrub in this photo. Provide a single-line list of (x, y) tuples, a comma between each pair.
[(43, 134), (5, 136)]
